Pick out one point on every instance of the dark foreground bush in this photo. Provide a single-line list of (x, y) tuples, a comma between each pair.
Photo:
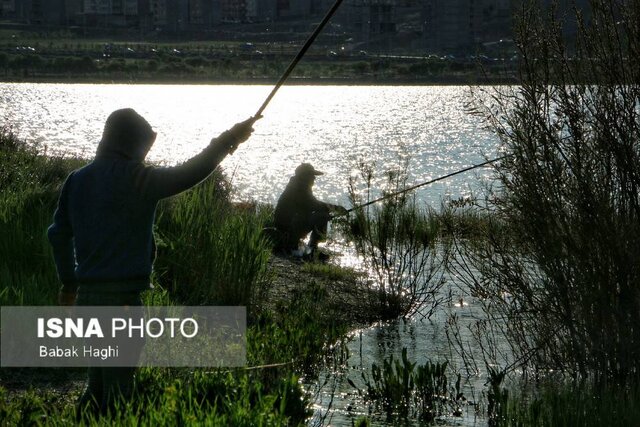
[(561, 281), (573, 406), (28, 195), (170, 398)]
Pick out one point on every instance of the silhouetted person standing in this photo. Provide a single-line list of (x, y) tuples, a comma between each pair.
[(102, 235), (299, 213)]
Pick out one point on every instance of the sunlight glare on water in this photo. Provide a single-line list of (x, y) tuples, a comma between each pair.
[(332, 127)]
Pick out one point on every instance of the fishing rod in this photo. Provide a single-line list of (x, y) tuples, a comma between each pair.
[(299, 56), (440, 178), (295, 61)]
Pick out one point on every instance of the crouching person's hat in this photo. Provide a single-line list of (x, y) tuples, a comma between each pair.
[(306, 169)]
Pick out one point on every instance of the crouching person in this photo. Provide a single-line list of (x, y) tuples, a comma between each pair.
[(299, 213)]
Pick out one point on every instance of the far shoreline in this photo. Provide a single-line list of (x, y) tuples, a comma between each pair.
[(267, 81)]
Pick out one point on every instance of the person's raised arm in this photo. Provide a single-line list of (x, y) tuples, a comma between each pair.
[(161, 182)]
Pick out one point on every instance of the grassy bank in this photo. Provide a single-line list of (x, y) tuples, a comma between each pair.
[(209, 253)]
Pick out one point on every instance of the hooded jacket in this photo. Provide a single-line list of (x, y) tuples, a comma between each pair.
[(102, 231)]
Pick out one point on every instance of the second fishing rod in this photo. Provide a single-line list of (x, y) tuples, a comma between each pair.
[(422, 184)]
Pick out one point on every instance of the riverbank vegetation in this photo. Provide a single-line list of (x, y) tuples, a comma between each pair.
[(555, 269), (547, 253), (398, 241), (563, 275), (413, 391)]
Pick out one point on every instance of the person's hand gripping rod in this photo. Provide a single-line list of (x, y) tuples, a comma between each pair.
[(242, 131)]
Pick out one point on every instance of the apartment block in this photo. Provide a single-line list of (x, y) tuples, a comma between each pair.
[(111, 7), (41, 12), (233, 10), (7, 9), (368, 19), (452, 26), (294, 8), (111, 13), (261, 10), (169, 15)]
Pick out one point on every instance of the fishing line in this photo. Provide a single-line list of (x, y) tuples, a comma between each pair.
[(253, 368)]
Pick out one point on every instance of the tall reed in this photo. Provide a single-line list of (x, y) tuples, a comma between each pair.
[(28, 195), (209, 253), (398, 242), (407, 390)]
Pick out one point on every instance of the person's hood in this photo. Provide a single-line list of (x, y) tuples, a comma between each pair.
[(126, 135)]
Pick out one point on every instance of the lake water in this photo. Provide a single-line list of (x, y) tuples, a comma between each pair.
[(333, 127)]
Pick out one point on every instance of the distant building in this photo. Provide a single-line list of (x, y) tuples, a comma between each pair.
[(158, 12), (177, 15), (448, 26), (452, 26), (200, 13), (111, 13), (294, 8), (7, 9), (42, 12), (369, 19), (183, 15), (111, 7), (462, 27), (233, 10), (496, 20), (168, 15), (261, 10)]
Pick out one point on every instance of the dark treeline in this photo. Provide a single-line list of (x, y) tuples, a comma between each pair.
[(87, 59)]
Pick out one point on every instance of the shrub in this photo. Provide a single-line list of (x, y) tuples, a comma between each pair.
[(398, 243), (208, 253), (360, 67), (4, 60), (411, 390), (152, 65), (115, 65), (196, 61), (28, 195), (86, 64), (561, 278), (26, 62)]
